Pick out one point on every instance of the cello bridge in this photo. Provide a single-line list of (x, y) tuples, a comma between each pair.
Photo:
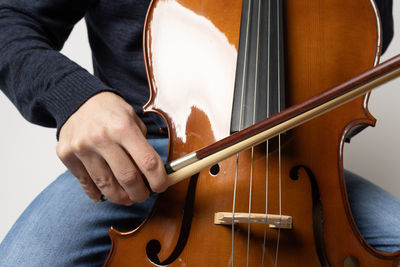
[(274, 221)]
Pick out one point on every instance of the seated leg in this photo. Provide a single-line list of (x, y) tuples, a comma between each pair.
[(376, 212), (63, 227)]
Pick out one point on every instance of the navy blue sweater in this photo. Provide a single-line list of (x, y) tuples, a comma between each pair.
[(47, 87)]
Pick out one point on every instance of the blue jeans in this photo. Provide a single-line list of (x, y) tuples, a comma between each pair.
[(62, 227)]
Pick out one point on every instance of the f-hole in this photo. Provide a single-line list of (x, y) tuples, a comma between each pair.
[(316, 210), (153, 247)]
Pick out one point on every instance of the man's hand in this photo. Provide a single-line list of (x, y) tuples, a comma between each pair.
[(103, 144)]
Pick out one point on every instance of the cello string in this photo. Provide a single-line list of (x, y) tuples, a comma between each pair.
[(267, 142), (248, 221), (240, 128), (254, 121), (279, 136), (233, 208), (245, 65), (280, 199)]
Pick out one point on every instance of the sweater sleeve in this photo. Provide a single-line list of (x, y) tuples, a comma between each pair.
[(385, 8), (44, 85)]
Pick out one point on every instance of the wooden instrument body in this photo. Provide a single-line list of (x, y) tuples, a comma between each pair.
[(190, 52)]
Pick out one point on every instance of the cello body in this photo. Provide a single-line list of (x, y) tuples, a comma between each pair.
[(191, 50)]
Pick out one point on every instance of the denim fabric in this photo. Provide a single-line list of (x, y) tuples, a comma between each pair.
[(376, 212), (62, 227)]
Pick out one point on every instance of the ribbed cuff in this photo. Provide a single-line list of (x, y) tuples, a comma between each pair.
[(71, 92)]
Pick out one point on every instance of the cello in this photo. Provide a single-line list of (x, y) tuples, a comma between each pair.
[(217, 67)]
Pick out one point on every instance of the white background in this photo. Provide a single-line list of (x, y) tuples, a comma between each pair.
[(28, 162)]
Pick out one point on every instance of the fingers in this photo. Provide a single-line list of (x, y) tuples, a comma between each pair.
[(94, 174), (103, 144), (140, 124), (126, 173), (103, 177), (146, 158), (104, 167), (129, 155), (79, 171)]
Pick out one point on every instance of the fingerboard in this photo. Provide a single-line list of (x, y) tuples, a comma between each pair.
[(259, 83)]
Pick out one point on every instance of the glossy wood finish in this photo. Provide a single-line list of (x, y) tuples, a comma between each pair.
[(370, 79), (191, 49), (282, 122)]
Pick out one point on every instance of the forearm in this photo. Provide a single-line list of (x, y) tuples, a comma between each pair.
[(44, 85)]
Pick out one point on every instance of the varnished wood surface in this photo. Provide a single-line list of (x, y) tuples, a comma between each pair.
[(280, 123), (371, 76), (327, 43)]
